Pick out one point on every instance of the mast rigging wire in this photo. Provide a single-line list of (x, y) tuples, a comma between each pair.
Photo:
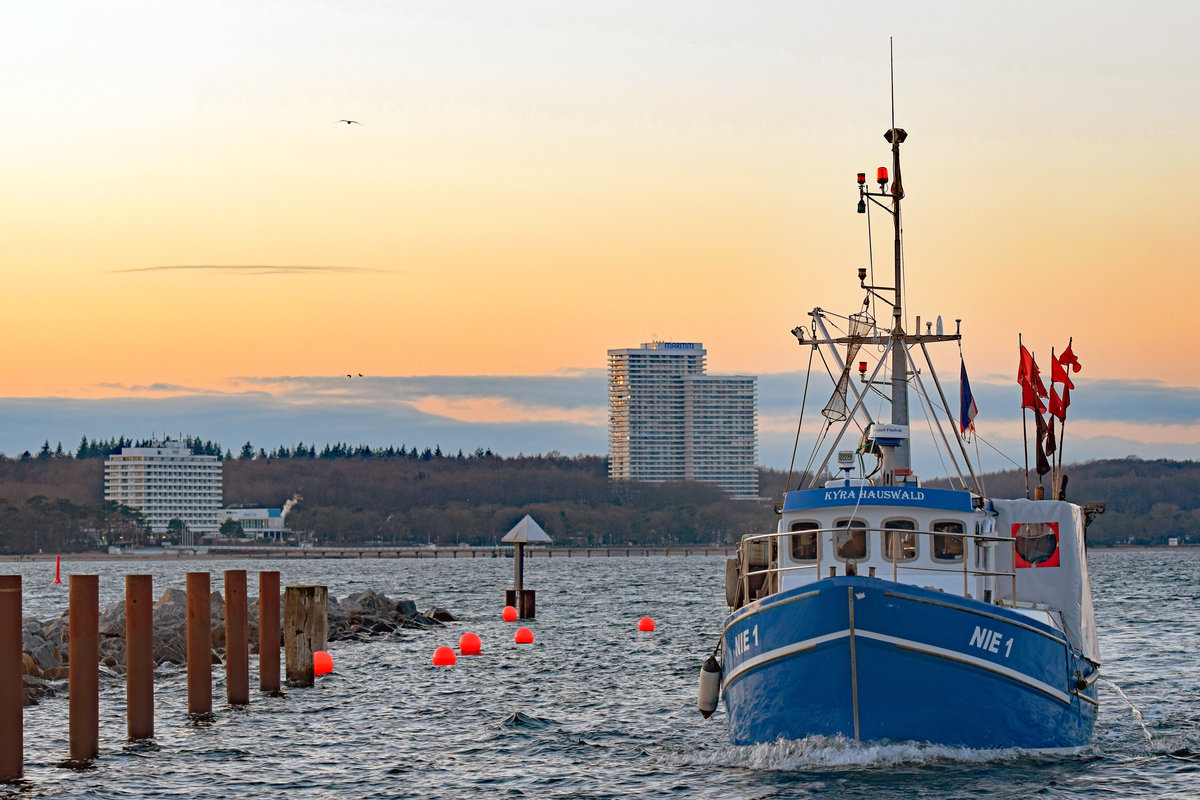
[(800, 424)]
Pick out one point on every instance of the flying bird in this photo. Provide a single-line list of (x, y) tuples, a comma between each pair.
[(349, 121)]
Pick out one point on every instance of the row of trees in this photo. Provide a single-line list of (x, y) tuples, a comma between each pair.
[(103, 448), (475, 500), (405, 496), (401, 495)]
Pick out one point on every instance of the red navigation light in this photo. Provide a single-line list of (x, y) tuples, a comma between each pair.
[(862, 367), (862, 178), (881, 176)]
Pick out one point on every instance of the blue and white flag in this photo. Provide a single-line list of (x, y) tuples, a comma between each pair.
[(966, 407)]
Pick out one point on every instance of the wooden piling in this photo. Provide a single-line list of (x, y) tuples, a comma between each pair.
[(237, 643), (83, 702), (268, 631), (199, 643), (139, 656), (519, 566), (523, 600), (305, 628), (12, 688)]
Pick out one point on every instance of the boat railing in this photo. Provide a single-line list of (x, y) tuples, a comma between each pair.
[(761, 577)]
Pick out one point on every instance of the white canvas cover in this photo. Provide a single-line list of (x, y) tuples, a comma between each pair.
[(527, 531), (1059, 580)]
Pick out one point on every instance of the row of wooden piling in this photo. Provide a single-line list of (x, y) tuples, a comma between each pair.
[(305, 632)]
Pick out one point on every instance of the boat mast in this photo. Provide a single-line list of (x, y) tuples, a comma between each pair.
[(898, 458)]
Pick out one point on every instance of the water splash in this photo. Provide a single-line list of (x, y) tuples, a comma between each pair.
[(1137, 714), (836, 752)]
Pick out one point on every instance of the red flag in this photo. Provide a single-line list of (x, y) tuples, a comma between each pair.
[(1030, 400), (1058, 372), (1068, 357), (1025, 368), (1058, 407), (1030, 379)]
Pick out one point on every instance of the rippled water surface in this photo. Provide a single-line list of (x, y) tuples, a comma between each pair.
[(593, 709)]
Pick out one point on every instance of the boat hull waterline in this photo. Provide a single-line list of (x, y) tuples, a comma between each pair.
[(875, 660)]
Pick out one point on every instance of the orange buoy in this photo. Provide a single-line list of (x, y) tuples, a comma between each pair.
[(645, 624), (524, 636), (509, 614), (322, 663), (469, 645), (443, 657)]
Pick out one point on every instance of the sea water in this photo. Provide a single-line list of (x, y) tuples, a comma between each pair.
[(593, 708)]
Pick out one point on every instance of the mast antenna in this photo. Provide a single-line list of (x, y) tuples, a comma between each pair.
[(892, 75)]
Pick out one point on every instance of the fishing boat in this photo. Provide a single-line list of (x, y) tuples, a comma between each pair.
[(884, 610)]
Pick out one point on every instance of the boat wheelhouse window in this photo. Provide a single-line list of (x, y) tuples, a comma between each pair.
[(1037, 544), (947, 541), (804, 543), (851, 544), (898, 543)]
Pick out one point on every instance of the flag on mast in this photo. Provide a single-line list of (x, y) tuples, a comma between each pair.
[(1030, 379), (1068, 357), (967, 409)]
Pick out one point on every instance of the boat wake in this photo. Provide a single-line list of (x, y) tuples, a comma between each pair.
[(820, 752)]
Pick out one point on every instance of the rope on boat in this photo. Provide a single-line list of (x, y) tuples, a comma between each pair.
[(800, 424)]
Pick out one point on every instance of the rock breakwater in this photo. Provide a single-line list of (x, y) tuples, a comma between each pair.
[(362, 616)]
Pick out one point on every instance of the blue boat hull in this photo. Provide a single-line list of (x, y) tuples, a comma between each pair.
[(880, 661)]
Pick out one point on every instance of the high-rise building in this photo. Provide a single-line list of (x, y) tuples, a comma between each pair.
[(166, 481), (669, 420)]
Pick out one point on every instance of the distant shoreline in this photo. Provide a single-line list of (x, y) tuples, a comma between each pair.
[(303, 554), (309, 554)]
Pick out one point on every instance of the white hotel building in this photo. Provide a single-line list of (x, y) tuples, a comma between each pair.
[(670, 421), (167, 482)]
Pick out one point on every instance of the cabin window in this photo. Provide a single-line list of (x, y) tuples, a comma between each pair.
[(1037, 544), (947, 541), (804, 543), (900, 540), (851, 544)]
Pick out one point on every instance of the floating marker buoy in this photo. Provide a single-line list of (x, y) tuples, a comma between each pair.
[(322, 663), (524, 636), (645, 624), (57, 564), (710, 686), (509, 614), (469, 645), (444, 657)]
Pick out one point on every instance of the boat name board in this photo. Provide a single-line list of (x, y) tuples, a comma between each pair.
[(948, 499)]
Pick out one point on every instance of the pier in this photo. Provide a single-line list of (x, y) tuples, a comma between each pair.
[(465, 551), (386, 551)]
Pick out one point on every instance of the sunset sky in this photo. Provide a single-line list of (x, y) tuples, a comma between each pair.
[(193, 244)]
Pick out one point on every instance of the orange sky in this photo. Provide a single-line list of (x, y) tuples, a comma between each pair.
[(532, 185)]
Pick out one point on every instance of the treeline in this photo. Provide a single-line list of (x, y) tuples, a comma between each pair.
[(1149, 502), (476, 499), (103, 448), (394, 495), (56, 505), (405, 496)]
